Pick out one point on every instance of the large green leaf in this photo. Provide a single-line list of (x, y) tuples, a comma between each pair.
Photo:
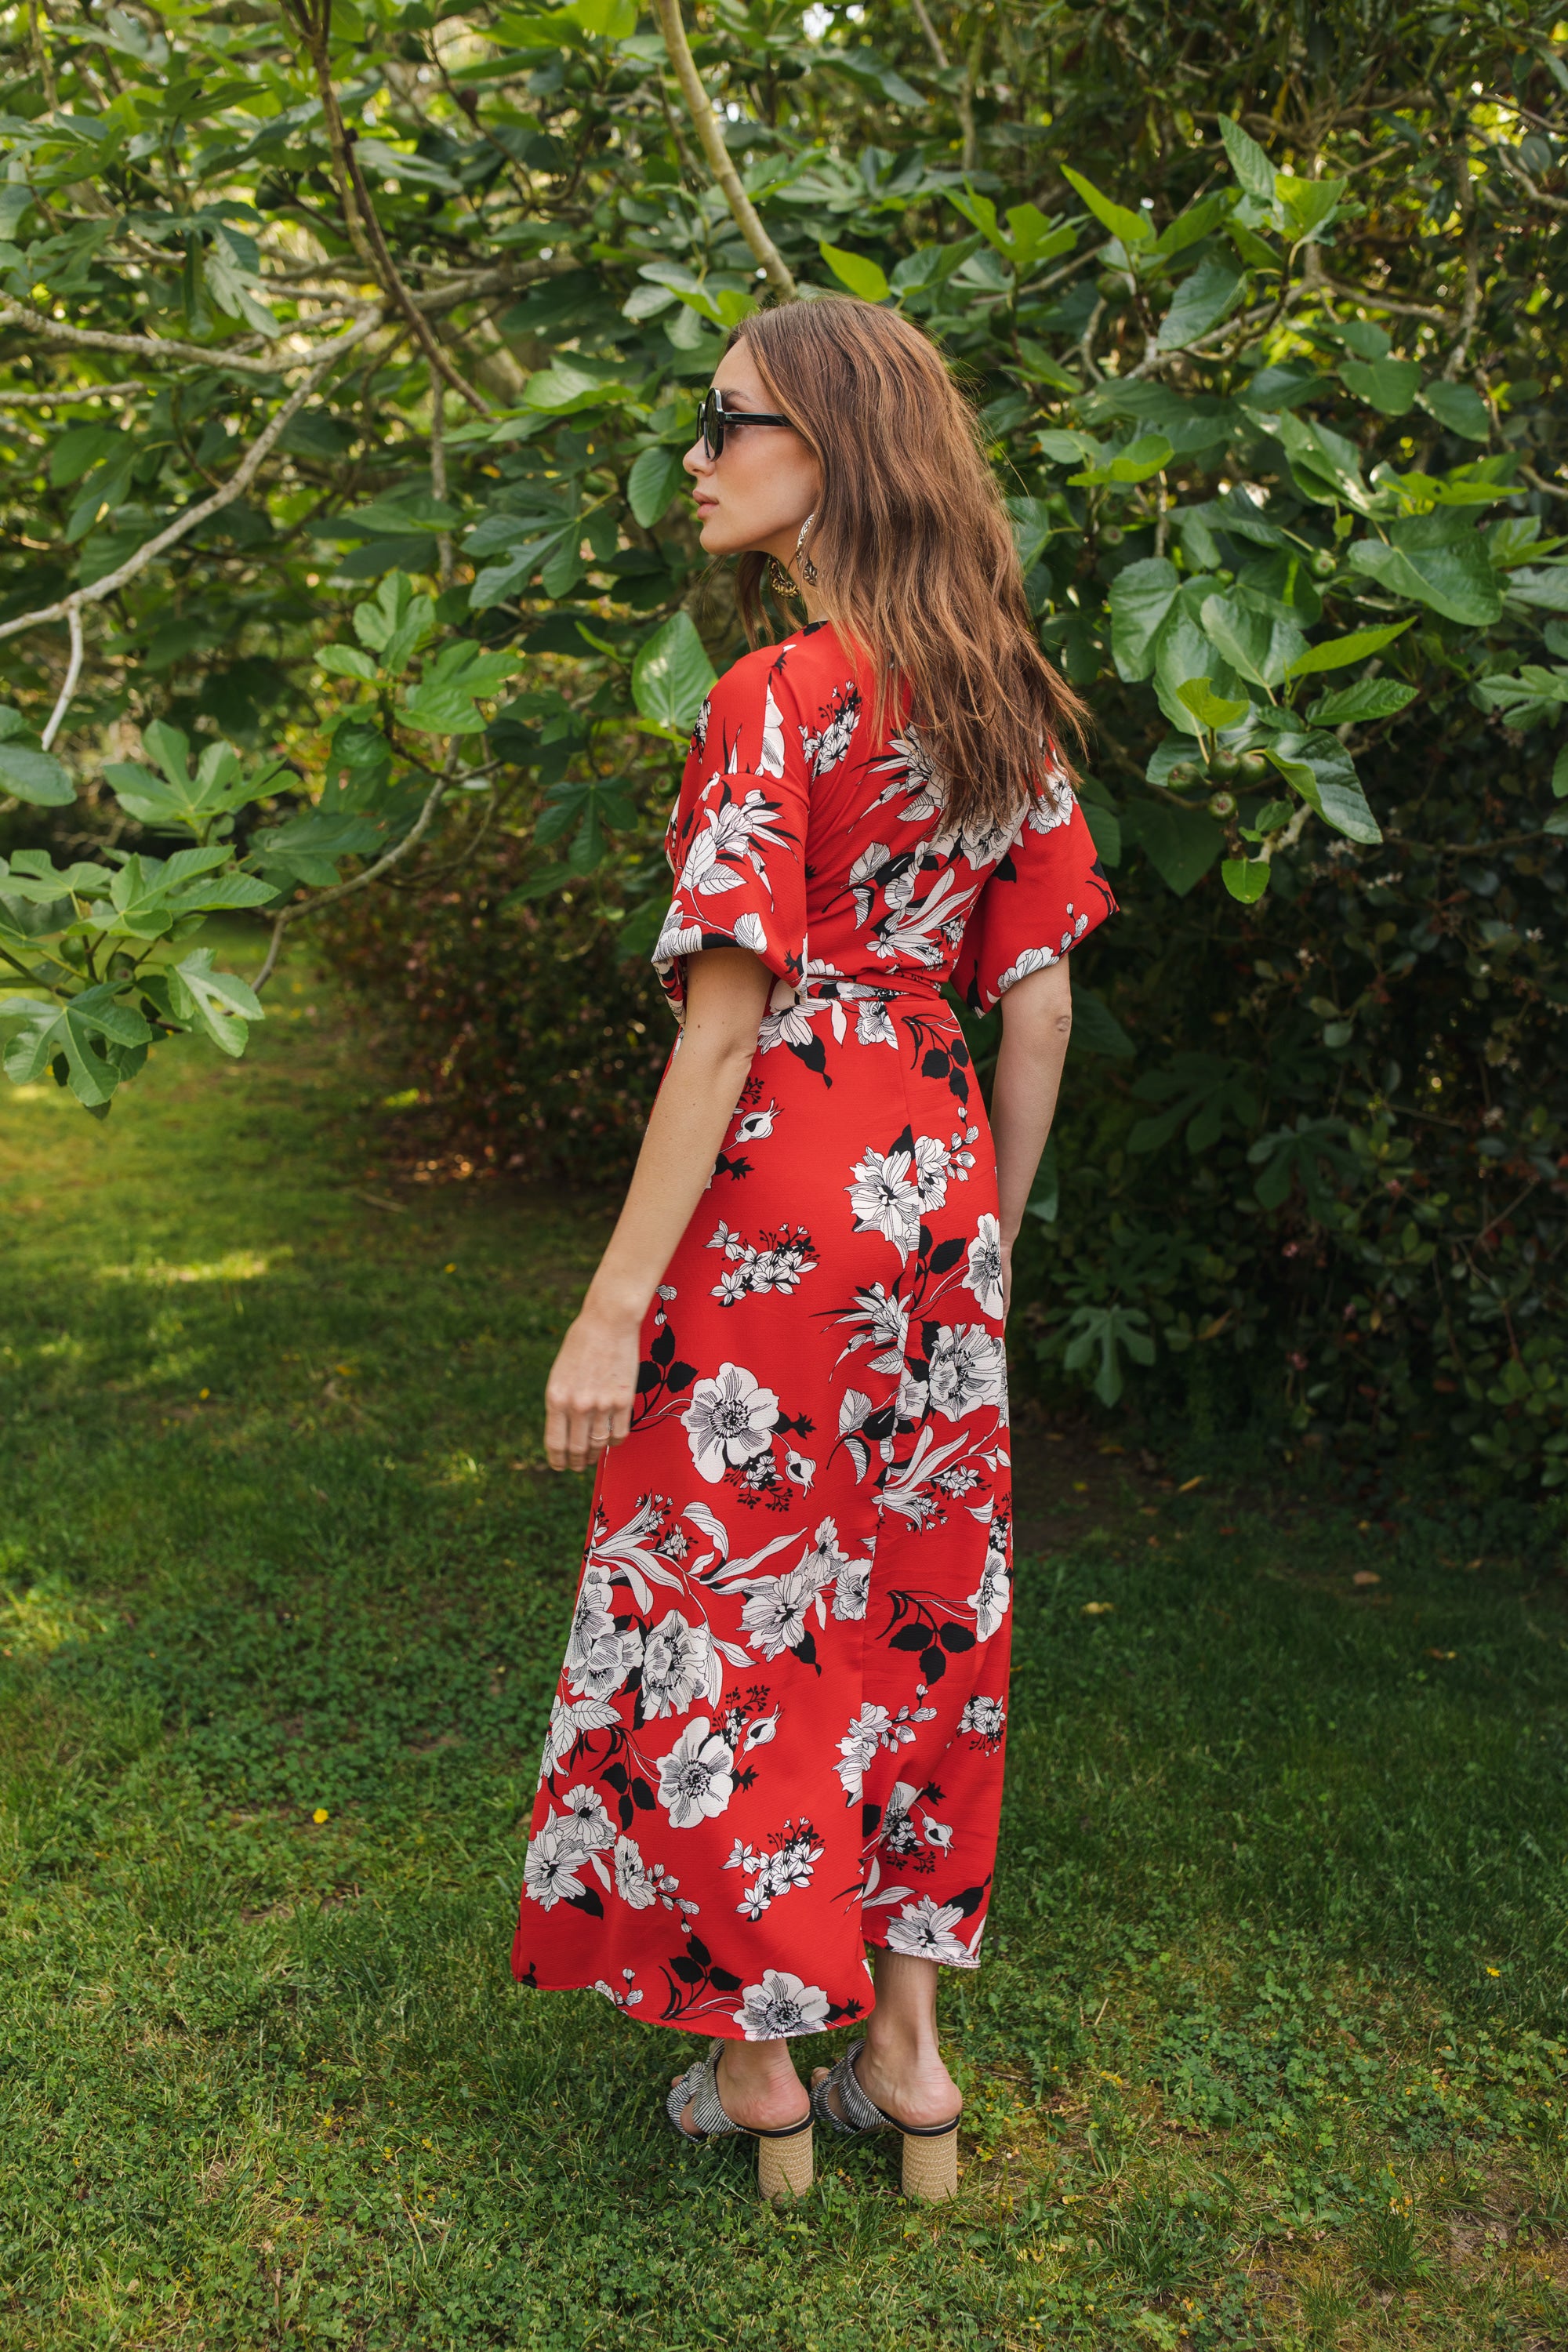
[(36, 777), (1248, 161), (1318, 766), (310, 847), (1388, 385), (177, 799), (1180, 844), (1261, 648), (1336, 653), (1133, 228), (857, 271), (219, 1004), (1455, 579), (672, 676), (1200, 302), (1459, 407), (654, 478), (81, 1031), (446, 701), (1141, 598), (1369, 698)]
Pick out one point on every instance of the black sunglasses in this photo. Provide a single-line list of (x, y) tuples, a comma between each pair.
[(713, 417)]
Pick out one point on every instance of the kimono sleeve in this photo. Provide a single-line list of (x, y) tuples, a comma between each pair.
[(1044, 896), (736, 842)]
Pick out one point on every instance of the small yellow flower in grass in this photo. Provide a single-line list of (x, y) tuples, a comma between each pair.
[(449, 1269), (1098, 1608), (205, 1393), (1494, 1972), (320, 1814)]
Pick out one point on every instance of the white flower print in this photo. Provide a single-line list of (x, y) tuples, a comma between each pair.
[(933, 1165), (727, 842), (776, 1263), (782, 2004), (787, 1862), (968, 1368), (1055, 805), (858, 1746), (874, 1023), (627, 1998), (1033, 959), (925, 1930), (678, 938), (983, 1717), (984, 1274), (633, 1883), (991, 1598), (774, 1614), (598, 1656), (915, 775), (748, 933), (674, 1666), (551, 1866), (728, 1421), (770, 761), (885, 1199), (825, 749), (569, 1719), (587, 1821), (696, 1779), (853, 1590)]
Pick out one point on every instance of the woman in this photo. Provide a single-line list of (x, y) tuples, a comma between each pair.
[(777, 1736)]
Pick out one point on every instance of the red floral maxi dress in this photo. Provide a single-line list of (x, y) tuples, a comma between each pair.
[(778, 1733)]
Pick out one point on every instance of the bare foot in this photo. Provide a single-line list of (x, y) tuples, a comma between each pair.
[(915, 2088), (759, 2092)]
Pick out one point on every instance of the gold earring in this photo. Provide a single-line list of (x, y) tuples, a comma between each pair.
[(779, 580), (807, 569)]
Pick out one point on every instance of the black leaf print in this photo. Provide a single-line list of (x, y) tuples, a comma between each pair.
[(643, 1795), (956, 1638), (587, 1900), (680, 1377), (662, 1347), (723, 1980), (690, 1972), (615, 1777), (871, 1816), (626, 1810), (910, 1637), (648, 1378), (933, 1663), (945, 1255), (699, 1949), (936, 1063), (969, 1900)]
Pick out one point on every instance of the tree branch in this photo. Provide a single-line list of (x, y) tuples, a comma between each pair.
[(71, 395), (720, 161), (241, 480), (73, 671)]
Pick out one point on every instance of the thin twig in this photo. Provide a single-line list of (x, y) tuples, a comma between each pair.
[(439, 475), (400, 849), (73, 671), (69, 396), (699, 106), (928, 29)]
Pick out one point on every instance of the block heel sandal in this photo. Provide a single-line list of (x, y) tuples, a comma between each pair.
[(929, 2150), (784, 2156)]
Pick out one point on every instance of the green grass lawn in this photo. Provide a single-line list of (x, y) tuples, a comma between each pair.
[(1265, 2051)]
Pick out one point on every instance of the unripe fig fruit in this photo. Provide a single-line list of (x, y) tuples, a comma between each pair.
[(1254, 768), (1324, 564), (1222, 804), (1184, 773), (1113, 534), (1224, 765)]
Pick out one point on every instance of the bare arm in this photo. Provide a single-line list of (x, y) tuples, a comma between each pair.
[(1037, 1023), (592, 1387)]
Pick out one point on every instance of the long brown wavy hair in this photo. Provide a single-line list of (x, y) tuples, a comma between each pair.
[(916, 564)]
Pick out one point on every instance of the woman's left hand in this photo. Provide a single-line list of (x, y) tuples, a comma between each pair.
[(592, 1388)]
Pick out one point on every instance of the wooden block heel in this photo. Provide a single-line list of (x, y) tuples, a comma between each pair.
[(784, 2157), (784, 2164), (931, 2165)]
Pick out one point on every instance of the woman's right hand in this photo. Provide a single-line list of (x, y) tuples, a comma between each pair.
[(592, 1388)]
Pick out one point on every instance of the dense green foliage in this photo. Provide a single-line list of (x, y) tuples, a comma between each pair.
[(1268, 2045), (1260, 312)]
